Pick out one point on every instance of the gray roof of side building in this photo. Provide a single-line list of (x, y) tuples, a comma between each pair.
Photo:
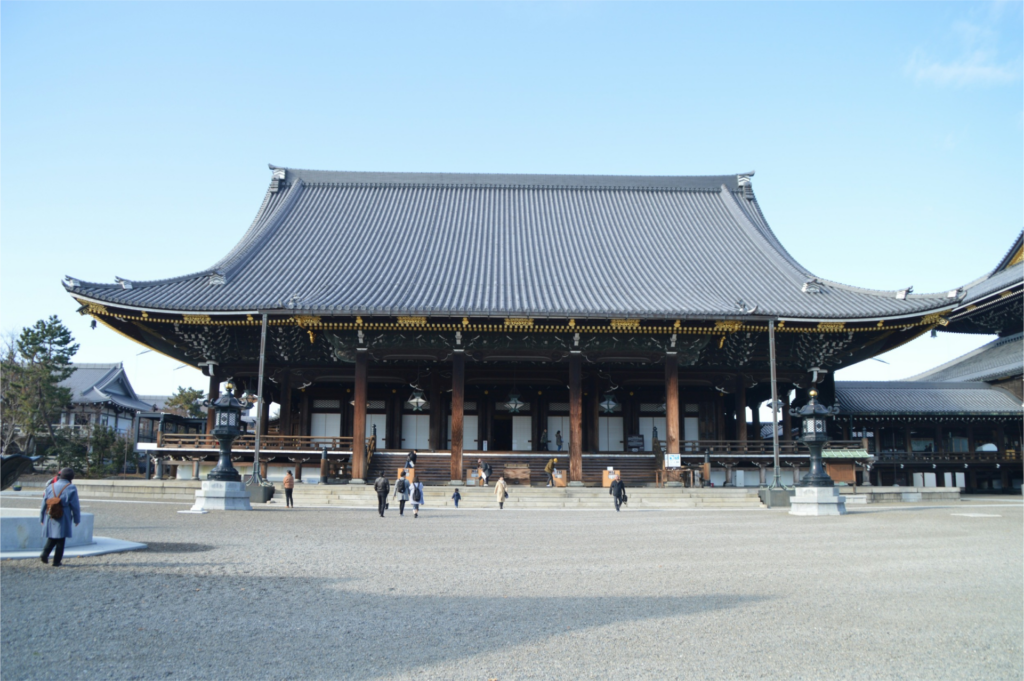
[(103, 384), (1002, 277), (1002, 358), (905, 398), (348, 243)]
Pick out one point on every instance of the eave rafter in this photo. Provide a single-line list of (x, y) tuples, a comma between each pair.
[(313, 339)]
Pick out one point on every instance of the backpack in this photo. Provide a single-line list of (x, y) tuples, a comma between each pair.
[(416, 494), (401, 486), (54, 506)]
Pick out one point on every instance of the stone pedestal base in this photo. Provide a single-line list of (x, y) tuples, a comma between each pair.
[(774, 498), (20, 530), (817, 501), (575, 483), (218, 495), (357, 481), (456, 483)]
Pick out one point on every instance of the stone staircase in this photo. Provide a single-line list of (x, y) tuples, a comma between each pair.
[(522, 497)]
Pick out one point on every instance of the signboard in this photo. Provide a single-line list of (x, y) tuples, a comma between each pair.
[(672, 461), (635, 443)]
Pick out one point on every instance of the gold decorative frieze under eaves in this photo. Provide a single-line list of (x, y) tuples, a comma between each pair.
[(728, 325), (932, 319), (306, 320), (625, 323), (412, 321), (831, 327), (519, 321), (196, 318)]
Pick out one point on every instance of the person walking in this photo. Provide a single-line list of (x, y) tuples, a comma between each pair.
[(549, 471), (485, 470), (58, 530), (401, 492), (501, 492), (558, 440), (544, 440), (381, 486), (410, 461), (456, 497), (418, 499), (618, 492), (289, 484)]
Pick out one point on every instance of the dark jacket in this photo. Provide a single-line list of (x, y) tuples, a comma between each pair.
[(618, 489), (486, 468), (381, 485), (411, 457)]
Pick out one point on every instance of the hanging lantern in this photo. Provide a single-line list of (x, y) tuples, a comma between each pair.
[(514, 404), (417, 401), (609, 403)]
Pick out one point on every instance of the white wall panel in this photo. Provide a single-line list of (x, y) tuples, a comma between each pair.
[(415, 431)]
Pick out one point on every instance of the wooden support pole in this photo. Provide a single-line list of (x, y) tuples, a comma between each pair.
[(741, 409), (458, 407), (298, 469), (594, 429), (214, 394), (575, 419), (672, 403), (359, 418)]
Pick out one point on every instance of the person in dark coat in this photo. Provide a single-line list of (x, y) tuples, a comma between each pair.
[(410, 461), (381, 486), (485, 470), (456, 497), (57, 532), (618, 491)]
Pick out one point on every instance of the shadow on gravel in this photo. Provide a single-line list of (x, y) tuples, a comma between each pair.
[(170, 547)]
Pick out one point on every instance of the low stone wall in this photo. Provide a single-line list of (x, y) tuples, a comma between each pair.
[(183, 491), (890, 495)]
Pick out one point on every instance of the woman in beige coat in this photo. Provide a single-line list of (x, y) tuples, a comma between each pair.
[(500, 492)]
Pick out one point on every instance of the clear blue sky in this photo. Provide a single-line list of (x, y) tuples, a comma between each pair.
[(887, 137)]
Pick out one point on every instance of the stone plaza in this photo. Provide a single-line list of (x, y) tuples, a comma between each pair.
[(915, 591)]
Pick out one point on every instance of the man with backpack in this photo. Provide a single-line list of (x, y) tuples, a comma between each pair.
[(60, 508), (485, 471), (381, 486)]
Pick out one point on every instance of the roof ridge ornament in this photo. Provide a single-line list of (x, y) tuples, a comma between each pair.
[(743, 182), (812, 285), (903, 293)]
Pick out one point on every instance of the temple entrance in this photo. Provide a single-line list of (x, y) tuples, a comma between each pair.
[(501, 433)]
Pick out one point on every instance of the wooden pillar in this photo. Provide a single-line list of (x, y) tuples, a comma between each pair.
[(214, 394), (298, 469), (304, 420), (671, 403), (594, 429), (285, 419), (787, 419), (719, 419), (458, 406), (434, 430), (265, 414), (741, 410), (263, 469), (359, 419), (575, 419), (755, 419)]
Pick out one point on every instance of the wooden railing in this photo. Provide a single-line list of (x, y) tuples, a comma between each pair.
[(942, 457), (268, 443), (719, 448)]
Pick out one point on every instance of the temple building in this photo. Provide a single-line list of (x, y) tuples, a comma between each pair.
[(614, 319)]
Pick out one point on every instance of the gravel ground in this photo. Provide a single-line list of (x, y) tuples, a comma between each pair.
[(907, 592)]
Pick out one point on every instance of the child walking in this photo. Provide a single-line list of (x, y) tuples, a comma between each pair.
[(456, 497)]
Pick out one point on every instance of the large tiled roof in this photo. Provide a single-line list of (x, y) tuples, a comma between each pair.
[(1002, 358), (896, 398), (511, 245)]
